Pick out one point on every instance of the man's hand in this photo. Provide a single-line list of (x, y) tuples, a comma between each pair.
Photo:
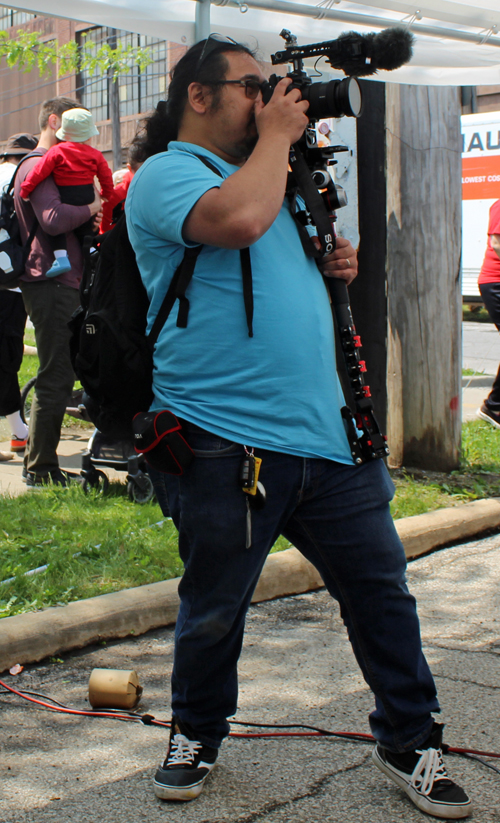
[(284, 115), (96, 206), (342, 263)]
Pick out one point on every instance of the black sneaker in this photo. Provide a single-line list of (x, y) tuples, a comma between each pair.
[(484, 413), (187, 765), (57, 477), (421, 773)]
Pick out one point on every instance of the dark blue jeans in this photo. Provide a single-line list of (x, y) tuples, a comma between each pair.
[(338, 517)]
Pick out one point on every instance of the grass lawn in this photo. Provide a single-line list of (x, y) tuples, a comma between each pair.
[(93, 545)]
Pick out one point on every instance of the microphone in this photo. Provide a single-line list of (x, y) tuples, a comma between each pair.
[(363, 54)]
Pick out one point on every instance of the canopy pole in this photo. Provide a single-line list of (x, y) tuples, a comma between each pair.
[(202, 20), (304, 10)]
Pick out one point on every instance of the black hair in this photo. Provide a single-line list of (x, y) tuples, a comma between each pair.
[(163, 124), (136, 152)]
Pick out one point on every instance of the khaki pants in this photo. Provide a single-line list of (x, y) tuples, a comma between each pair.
[(50, 306)]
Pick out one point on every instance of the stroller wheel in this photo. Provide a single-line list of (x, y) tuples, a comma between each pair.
[(96, 480), (142, 493), (27, 395)]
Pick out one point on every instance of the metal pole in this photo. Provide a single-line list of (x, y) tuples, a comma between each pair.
[(202, 20), (303, 10)]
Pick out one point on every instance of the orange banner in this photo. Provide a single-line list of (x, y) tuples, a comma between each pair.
[(481, 177)]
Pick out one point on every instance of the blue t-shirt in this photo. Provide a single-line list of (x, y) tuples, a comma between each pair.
[(278, 390)]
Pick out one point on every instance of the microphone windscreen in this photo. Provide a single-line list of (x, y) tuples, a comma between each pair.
[(361, 55), (392, 48)]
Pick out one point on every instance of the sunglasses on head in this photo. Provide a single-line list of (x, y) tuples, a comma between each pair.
[(212, 42)]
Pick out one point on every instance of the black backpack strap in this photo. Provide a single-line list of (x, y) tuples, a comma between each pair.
[(10, 190), (246, 267), (182, 278), (185, 273), (178, 285), (246, 271)]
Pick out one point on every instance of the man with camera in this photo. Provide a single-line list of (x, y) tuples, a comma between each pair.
[(255, 380)]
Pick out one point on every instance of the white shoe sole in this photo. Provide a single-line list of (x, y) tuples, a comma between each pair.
[(485, 417), (421, 801), (180, 793), (183, 793)]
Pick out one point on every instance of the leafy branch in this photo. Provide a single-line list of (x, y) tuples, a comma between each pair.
[(29, 51)]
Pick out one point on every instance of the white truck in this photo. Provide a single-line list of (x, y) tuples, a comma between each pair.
[(480, 189)]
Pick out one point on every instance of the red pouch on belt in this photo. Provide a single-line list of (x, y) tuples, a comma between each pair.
[(157, 435)]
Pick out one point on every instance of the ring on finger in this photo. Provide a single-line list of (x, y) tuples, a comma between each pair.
[(348, 262)]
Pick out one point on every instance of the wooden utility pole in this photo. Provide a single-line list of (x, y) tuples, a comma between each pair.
[(424, 220), (407, 298)]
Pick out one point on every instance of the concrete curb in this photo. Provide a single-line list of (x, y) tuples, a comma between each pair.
[(29, 638)]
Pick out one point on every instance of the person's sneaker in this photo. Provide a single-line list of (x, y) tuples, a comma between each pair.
[(60, 266), (421, 773), (53, 478), (484, 413), (186, 767), (17, 444)]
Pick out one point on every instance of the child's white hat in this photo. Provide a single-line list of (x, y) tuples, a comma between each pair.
[(77, 126)]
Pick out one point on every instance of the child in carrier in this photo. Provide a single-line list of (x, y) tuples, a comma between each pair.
[(74, 164)]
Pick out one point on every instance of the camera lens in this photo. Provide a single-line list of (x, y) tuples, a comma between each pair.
[(333, 99)]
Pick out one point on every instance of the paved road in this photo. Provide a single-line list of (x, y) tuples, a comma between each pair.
[(481, 347), (481, 352), (297, 666)]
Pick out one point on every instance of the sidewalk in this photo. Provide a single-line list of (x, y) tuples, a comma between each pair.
[(296, 667), (72, 444)]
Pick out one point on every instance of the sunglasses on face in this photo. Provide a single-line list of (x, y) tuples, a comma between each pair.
[(252, 87)]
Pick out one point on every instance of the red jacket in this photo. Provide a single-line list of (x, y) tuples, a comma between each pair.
[(490, 272), (71, 164), (118, 196)]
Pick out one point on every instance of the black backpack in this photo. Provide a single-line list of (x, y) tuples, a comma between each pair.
[(13, 253), (110, 352)]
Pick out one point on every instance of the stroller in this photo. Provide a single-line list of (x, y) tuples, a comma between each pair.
[(102, 452)]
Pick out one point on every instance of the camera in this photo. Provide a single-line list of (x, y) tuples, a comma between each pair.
[(355, 54)]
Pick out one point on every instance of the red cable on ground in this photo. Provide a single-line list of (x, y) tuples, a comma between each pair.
[(153, 722), (64, 710)]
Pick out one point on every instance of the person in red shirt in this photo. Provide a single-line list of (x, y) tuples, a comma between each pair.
[(113, 208), (73, 164), (489, 286)]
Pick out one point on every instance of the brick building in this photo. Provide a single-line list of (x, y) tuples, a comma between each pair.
[(21, 93)]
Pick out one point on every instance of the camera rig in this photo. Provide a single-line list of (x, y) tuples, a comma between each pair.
[(315, 197)]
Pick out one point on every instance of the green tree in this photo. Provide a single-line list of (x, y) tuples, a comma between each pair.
[(28, 51)]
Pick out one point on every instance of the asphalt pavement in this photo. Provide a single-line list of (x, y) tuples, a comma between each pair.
[(296, 667), (481, 353)]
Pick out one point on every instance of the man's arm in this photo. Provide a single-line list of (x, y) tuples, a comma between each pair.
[(56, 217), (495, 243), (43, 168), (105, 177), (245, 206)]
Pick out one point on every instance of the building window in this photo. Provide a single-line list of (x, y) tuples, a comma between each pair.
[(12, 17), (138, 91)]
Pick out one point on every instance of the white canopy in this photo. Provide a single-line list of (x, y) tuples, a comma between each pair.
[(457, 43)]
